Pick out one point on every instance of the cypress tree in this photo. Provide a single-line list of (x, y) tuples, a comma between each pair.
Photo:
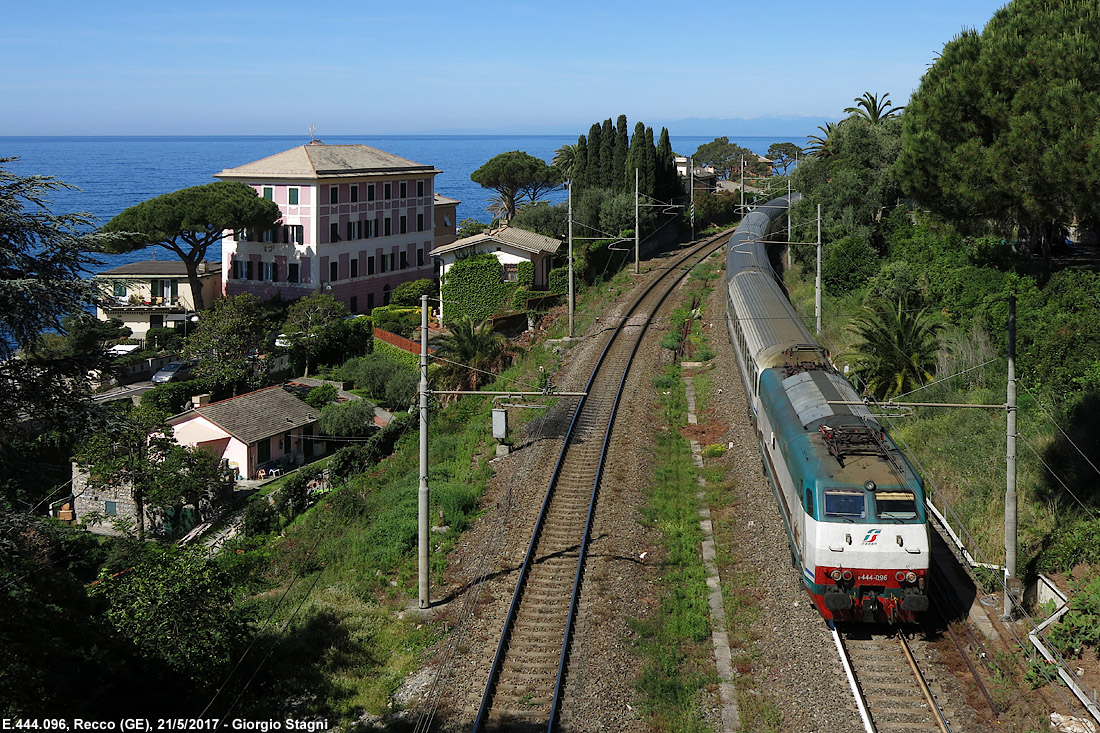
[(580, 163), (618, 165), (648, 178), (667, 183), (635, 158), (607, 155), (592, 174)]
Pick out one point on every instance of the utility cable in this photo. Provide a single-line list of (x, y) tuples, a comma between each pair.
[(1060, 430)]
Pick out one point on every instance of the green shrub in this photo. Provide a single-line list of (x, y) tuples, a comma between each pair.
[(321, 395), (849, 262), (172, 397), (398, 356), (402, 320), (559, 280), (714, 450), (260, 517), (410, 293), (351, 419)]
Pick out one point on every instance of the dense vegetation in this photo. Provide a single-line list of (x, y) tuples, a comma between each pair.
[(925, 236)]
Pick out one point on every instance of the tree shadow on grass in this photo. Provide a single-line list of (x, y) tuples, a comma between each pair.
[(297, 677)]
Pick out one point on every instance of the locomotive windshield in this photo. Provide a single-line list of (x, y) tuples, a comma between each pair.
[(850, 504), (896, 505)]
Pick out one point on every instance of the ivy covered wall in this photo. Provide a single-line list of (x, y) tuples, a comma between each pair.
[(473, 287)]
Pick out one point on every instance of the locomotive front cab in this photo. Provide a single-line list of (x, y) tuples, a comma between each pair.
[(872, 555)]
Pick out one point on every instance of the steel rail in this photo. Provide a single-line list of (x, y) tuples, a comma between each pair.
[(929, 698), (481, 719)]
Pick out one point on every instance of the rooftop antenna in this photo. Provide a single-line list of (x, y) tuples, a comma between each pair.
[(312, 130)]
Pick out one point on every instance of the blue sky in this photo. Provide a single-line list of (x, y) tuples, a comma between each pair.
[(355, 67)]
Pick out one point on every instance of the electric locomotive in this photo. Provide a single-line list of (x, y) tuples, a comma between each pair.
[(852, 504)]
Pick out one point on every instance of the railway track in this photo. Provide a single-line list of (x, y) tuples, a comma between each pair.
[(526, 679), (892, 692)]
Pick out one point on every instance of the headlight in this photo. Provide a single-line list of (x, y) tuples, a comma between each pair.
[(911, 577), (835, 575)]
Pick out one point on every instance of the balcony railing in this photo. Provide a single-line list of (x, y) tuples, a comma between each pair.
[(134, 303)]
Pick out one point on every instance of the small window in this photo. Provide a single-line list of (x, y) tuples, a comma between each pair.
[(370, 265), (845, 504), (446, 220), (370, 192), (248, 268), (420, 257), (419, 222), (355, 267), (387, 191), (355, 194), (333, 271), (263, 451), (334, 232), (387, 226), (334, 194), (896, 505), (404, 259), (294, 234), (120, 290), (420, 188), (404, 224), (385, 295), (511, 273), (292, 196), (353, 304), (404, 189), (268, 271), (110, 508), (351, 230), (292, 272), (269, 193), (370, 302)]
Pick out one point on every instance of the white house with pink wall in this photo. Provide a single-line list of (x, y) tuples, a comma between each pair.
[(259, 430), (356, 223)]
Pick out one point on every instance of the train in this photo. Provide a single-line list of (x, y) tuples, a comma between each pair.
[(852, 504)]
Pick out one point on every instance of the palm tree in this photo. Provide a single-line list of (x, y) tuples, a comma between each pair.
[(821, 145), (564, 159), (897, 350), (870, 108), (471, 355)]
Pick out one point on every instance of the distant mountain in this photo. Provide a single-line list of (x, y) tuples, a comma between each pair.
[(778, 126), (775, 126)]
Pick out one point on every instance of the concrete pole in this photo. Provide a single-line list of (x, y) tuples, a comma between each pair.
[(817, 294), (1010, 486), (422, 496), (742, 186), (570, 258), (691, 192), (637, 225), (789, 232)]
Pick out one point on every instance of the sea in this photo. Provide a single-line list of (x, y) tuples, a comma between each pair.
[(110, 174)]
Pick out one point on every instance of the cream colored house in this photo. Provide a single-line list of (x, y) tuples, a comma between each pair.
[(155, 294), (510, 246)]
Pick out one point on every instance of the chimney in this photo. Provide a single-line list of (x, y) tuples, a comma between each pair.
[(202, 266)]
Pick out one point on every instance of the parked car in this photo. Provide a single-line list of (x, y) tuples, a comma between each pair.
[(176, 371)]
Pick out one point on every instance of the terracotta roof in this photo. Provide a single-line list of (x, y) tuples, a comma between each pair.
[(256, 415), (326, 161), (440, 200), (159, 268), (518, 238)]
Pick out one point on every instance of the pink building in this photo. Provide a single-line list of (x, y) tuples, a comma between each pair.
[(356, 223)]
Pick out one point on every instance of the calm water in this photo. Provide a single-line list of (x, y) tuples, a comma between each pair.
[(113, 173)]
